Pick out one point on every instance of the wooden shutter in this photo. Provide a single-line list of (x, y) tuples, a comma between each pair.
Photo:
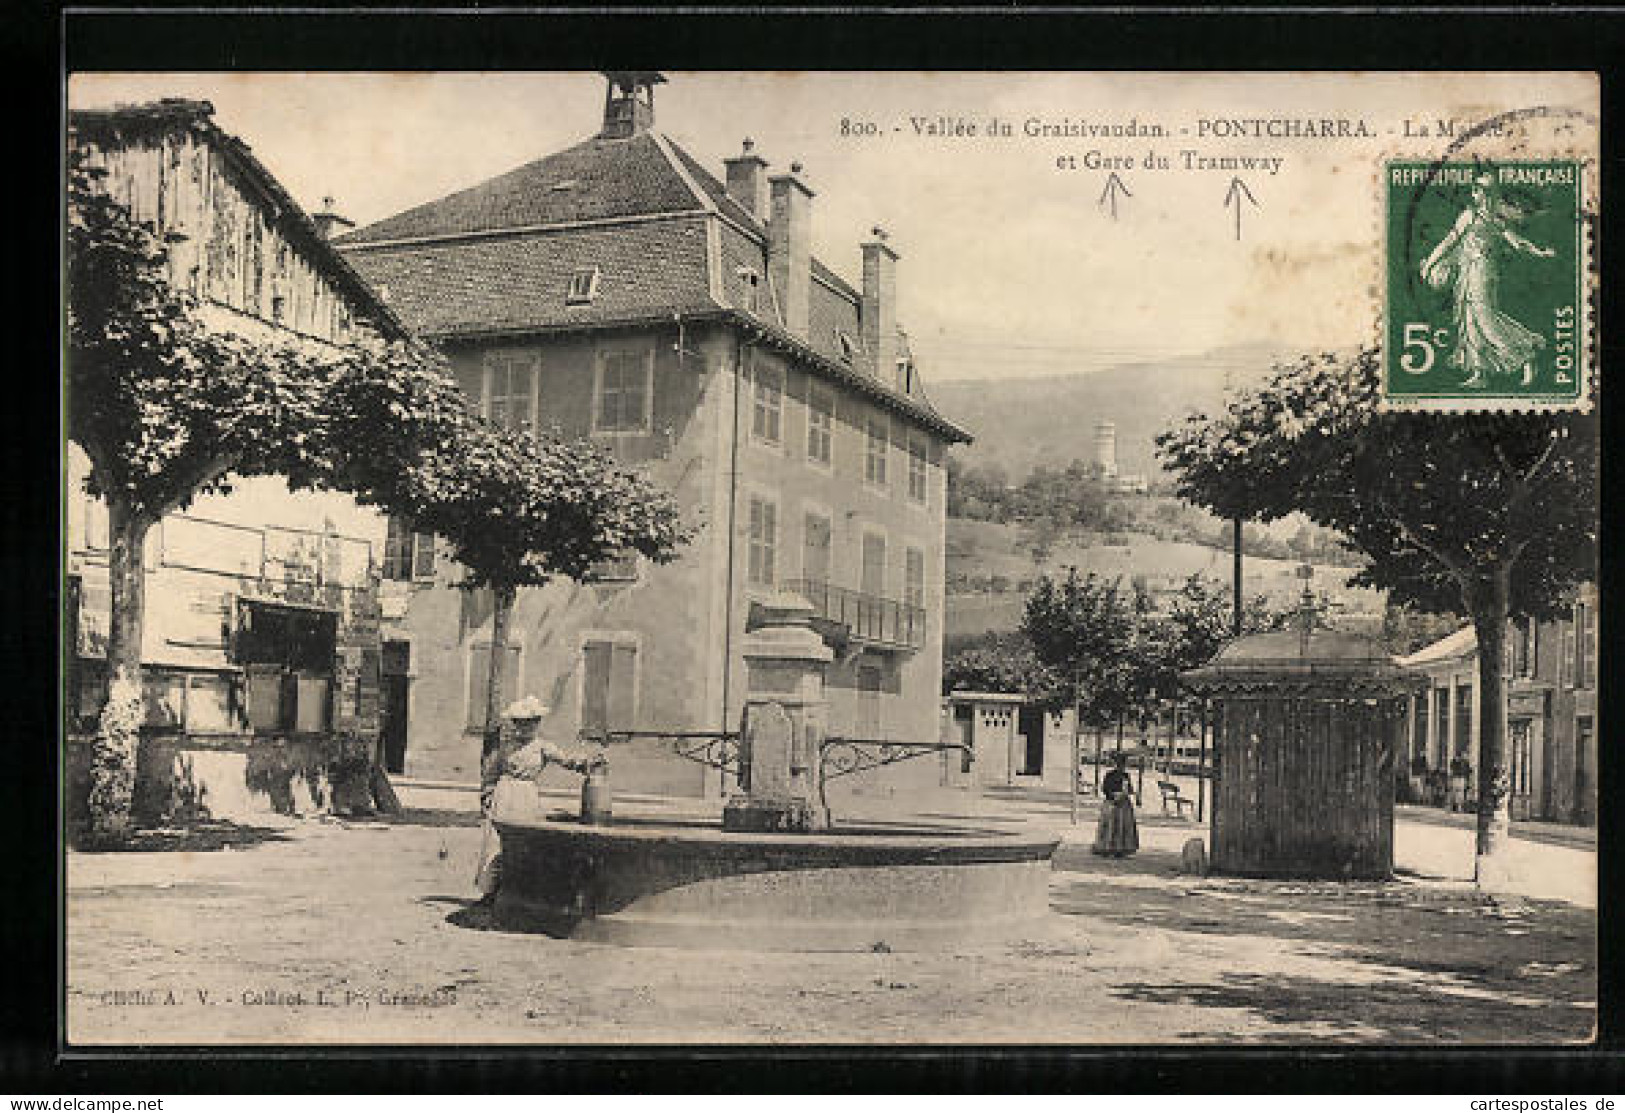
[(595, 674)]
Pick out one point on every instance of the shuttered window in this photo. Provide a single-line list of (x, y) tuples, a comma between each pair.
[(479, 672), (608, 687), (815, 548), (763, 541)]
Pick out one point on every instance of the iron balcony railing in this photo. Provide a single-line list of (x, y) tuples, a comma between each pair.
[(869, 619)]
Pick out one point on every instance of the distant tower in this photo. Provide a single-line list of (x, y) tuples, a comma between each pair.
[(1106, 449)]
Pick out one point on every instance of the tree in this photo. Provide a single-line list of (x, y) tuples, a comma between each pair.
[(1086, 629), (1492, 515), (1198, 624), (1000, 663), (1406, 629), (165, 410), (519, 509)]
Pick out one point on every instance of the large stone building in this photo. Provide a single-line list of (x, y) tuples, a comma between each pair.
[(1552, 739), (618, 290), (262, 614)]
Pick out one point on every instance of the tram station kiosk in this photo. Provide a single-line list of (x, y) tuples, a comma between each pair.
[(1308, 727)]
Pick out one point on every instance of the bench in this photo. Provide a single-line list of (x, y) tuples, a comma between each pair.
[(1171, 795)]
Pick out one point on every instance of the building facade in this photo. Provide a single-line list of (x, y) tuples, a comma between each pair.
[(619, 290), (262, 613), (1552, 741)]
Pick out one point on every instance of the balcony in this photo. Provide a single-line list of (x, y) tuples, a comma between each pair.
[(860, 619)]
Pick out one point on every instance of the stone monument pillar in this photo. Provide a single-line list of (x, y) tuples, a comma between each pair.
[(785, 663)]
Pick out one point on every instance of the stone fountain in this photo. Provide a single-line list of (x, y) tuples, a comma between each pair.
[(776, 874)]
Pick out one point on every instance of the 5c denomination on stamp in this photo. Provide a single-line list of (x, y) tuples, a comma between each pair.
[(1485, 300)]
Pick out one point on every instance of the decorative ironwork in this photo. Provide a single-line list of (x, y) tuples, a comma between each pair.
[(718, 749), (841, 757), (869, 619)]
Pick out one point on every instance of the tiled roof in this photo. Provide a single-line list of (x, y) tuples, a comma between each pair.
[(510, 283), (498, 257), (601, 179)]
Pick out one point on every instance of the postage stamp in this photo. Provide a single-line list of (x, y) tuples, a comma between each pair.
[(1485, 271)]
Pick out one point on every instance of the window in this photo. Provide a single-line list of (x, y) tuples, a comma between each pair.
[(874, 460), (479, 676), (408, 555), (583, 287), (1523, 648), (763, 541), (608, 686), (287, 659), (510, 389), (1585, 662), (905, 375), (916, 470), (767, 407), (874, 564), (870, 682), (820, 425), (849, 346), (815, 548), (914, 578), (619, 569), (204, 703), (1462, 741), (1420, 748), (625, 383), (751, 282)]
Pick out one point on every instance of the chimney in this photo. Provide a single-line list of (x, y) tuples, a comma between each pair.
[(629, 102), (789, 247), (878, 310), (329, 223), (747, 181)]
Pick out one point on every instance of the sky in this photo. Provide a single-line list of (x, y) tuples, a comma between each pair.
[(1013, 264)]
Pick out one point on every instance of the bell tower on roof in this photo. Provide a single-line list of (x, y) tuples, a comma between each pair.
[(629, 102)]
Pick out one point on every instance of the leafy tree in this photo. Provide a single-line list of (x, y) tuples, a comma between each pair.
[(1000, 663), (519, 510), (1087, 630), (1492, 515), (1406, 629), (165, 410), (1198, 624)]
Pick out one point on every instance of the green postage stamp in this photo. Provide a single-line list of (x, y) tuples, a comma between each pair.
[(1486, 286)]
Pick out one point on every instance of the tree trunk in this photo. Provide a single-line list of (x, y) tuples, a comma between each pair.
[(1491, 612), (118, 736), (501, 610)]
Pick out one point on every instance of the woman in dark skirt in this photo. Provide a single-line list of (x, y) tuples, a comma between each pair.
[(1117, 835)]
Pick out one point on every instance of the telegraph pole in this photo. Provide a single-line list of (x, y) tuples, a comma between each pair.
[(1235, 617)]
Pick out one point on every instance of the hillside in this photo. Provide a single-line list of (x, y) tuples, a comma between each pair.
[(999, 558), (1020, 423)]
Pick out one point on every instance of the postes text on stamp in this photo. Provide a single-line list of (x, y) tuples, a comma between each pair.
[(1485, 300)]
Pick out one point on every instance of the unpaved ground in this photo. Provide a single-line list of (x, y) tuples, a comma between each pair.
[(332, 932)]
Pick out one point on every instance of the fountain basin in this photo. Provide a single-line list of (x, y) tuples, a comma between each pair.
[(673, 883)]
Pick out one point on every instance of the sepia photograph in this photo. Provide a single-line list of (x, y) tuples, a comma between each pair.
[(765, 558)]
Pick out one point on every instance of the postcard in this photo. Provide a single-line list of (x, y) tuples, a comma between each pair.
[(865, 558)]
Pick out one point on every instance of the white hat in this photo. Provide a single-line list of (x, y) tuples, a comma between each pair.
[(528, 708)]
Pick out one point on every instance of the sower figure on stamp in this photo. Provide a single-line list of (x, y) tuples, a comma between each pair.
[(1117, 835), (1489, 343), (521, 755)]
